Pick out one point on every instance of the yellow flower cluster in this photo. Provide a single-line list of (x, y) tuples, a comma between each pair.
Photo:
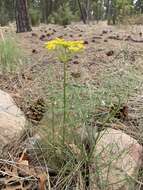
[(72, 46)]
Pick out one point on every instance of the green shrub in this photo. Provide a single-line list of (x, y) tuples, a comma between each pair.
[(35, 17), (62, 16), (9, 55), (3, 17)]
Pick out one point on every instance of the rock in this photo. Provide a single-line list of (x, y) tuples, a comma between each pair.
[(116, 160), (12, 120)]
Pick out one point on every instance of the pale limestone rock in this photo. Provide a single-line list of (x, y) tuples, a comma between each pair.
[(12, 120), (116, 161)]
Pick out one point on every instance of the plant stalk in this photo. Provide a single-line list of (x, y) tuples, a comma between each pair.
[(53, 122), (64, 101)]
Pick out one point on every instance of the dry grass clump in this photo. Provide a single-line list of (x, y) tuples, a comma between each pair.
[(133, 20), (10, 55)]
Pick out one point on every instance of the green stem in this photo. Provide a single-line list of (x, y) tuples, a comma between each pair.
[(64, 101), (53, 121)]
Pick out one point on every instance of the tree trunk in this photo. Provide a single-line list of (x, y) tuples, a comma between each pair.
[(87, 9), (82, 12), (109, 12), (43, 10), (22, 16), (114, 12)]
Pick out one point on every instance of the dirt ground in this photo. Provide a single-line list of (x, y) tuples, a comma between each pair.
[(111, 66), (108, 50)]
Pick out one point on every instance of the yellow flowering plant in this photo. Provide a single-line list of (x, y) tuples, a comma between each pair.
[(65, 49)]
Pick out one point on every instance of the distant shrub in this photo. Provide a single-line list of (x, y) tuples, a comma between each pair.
[(35, 17), (4, 19), (62, 16)]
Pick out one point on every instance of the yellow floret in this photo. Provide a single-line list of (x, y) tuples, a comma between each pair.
[(72, 46)]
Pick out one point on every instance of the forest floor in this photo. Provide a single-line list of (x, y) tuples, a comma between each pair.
[(111, 62), (105, 79)]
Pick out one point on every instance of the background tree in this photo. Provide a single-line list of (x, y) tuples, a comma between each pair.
[(22, 16), (139, 6), (82, 13), (66, 11), (6, 12)]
